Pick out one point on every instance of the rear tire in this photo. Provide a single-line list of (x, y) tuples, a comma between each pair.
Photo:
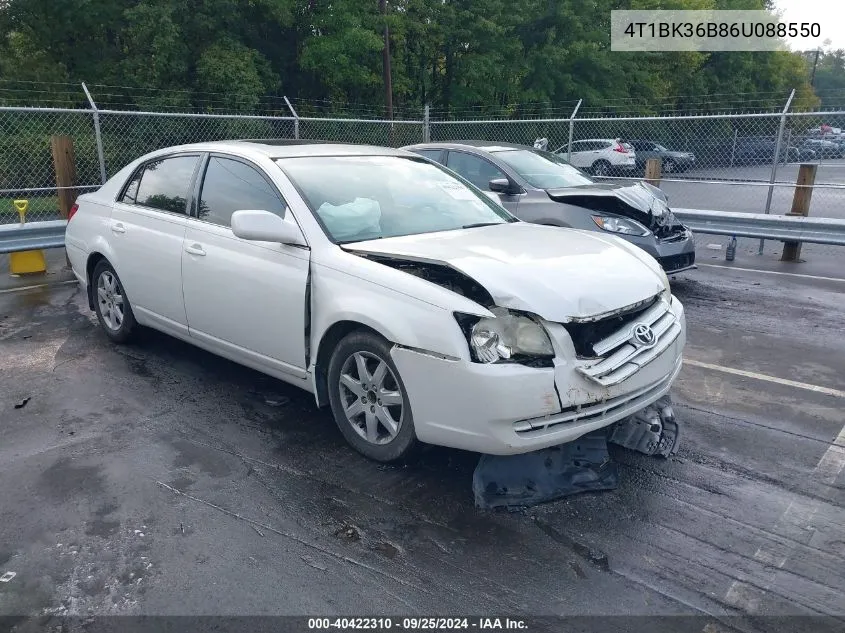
[(111, 304), (600, 168), (368, 398)]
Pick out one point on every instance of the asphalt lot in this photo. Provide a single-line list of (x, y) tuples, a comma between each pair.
[(159, 479), (692, 190)]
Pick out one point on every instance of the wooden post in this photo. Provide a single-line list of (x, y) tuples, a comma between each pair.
[(65, 164), (653, 167), (800, 206)]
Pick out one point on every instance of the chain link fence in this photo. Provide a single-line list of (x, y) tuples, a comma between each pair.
[(714, 161)]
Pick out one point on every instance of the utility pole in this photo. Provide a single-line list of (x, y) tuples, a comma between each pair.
[(388, 77), (815, 63)]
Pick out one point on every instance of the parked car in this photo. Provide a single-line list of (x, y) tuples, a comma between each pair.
[(823, 148), (601, 156), (672, 161), (757, 150), (541, 187), (414, 306)]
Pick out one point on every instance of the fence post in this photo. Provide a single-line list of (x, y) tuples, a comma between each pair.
[(800, 206), (776, 160), (426, 125), (64, 161), (572, 129), (97, 135), (653, 167), (295, 119)]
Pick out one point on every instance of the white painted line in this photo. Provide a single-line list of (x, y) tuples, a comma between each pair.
[(22, 288), (774, 272), (780, 381)]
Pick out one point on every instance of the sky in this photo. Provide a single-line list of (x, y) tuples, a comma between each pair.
[(830, 14)]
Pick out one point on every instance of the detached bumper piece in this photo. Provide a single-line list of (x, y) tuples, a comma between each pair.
[(515, 481), (653, 431)]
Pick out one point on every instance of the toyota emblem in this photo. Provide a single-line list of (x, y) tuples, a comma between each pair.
[(643, 335)]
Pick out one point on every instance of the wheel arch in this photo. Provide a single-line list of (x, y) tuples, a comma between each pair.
[(335, 333)]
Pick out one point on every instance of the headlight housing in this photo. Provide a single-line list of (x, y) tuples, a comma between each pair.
[(621, 226), (509, 337)]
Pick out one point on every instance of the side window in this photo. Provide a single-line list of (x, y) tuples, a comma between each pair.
[(432, 154), (130, 194), (477, 170), (164, 183), (230, 185), (580, 146)]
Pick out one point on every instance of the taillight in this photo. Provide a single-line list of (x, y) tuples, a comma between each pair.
[(72, 211), (620, 148)]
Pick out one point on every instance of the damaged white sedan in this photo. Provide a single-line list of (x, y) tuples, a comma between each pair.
[(404, 298)]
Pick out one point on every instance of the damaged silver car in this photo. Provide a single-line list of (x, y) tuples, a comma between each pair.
[(541, 187)]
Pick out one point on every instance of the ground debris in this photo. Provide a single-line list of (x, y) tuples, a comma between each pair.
[(652, 431), (347, 532), (22, 403), (515, 481)]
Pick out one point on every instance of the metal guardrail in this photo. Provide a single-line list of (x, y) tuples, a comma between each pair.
[(32, 236), (783, 228)]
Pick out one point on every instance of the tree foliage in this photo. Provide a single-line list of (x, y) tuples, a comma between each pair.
[(456, 55)]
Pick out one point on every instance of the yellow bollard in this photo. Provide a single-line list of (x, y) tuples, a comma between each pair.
[(26, 262)]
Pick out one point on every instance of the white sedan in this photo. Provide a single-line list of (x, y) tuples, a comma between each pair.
[(397, 293)]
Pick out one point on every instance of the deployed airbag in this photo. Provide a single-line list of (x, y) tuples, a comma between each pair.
[(346, 221)]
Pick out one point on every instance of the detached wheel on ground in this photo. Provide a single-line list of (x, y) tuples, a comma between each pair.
[(111, 305), (600, 168), (368, 398)]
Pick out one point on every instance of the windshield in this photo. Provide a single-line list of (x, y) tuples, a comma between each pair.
[(358, 198), (543, 170)]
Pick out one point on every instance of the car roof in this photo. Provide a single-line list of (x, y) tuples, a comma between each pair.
[(288, 148), (487, 146)]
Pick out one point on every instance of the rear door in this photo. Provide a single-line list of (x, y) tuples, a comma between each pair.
[(244, 299), (147, 228)]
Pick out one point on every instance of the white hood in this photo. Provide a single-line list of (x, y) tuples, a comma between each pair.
[(559, 274)]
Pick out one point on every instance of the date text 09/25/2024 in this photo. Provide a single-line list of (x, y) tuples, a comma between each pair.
[(417, 624)]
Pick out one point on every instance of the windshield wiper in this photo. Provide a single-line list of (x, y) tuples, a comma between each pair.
[(477, 224)]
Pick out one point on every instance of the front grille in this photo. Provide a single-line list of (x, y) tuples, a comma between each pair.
[(676, 262), (583, 335), (620, 356)]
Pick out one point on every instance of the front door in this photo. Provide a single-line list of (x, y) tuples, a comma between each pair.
[(480, 171), (244, 299)]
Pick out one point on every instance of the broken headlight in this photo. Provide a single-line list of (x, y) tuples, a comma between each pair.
[(510, 336), (622, 226)]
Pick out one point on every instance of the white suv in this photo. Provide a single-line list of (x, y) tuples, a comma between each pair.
[(601, 156)]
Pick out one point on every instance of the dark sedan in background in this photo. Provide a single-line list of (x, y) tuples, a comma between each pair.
[(672, 161), (541, 187)]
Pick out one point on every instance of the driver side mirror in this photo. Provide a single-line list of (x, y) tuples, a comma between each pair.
[(501, 185), (263, 226)]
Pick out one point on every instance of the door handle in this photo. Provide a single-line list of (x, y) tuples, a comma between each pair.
[(195, 249), (117, 227)]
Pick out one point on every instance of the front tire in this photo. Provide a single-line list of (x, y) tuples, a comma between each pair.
[(669, 167), (111, 304), (368, 398)]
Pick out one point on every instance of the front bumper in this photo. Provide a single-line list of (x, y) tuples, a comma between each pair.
[(506, 409), (674, 255)]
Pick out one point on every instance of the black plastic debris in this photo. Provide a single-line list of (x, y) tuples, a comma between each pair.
[(22, 403), (653, 431), (514, 481)]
